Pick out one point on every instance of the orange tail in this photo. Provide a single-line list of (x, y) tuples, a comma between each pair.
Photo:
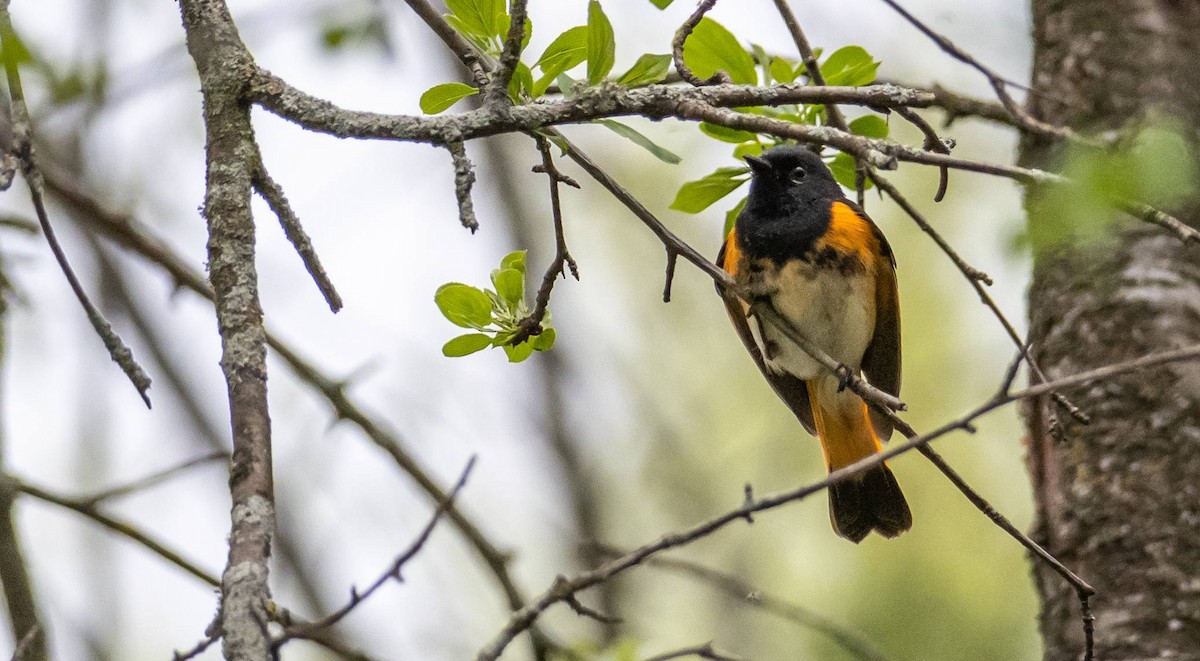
[(871, 500)]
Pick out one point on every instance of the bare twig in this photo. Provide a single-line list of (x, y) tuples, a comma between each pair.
[(464, 179), (510, 55), (562, 260), (933, 142), (563, 587), (705, 651), (151, 480), (809, 58), (846, 638), (197, 649), (677, 44), (23, 148), (272, 192), (393, 573), (112, 523), (998, 83)]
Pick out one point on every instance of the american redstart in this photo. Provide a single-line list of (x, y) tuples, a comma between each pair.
[(825, 267)]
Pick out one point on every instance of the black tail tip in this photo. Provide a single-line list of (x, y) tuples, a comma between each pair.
[(870, 501)]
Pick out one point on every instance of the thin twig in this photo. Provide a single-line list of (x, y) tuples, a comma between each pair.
[(976, 279), (677, 44), (196, 650), (23, 147), (114, 524), (846, 638), (705, 651), (272, 192), (999, 83), (933, 142), (464, 180), (562, 260), (563, 587), (809, 58), (151, 480), (393, 572), (510, 55)]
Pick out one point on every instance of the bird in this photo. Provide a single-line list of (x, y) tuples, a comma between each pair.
[(800, 246)]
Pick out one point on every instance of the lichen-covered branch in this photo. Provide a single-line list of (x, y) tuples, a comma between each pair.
[(222, 61)]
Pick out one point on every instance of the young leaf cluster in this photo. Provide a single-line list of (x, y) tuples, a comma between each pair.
[(711, 48), (494, 314), (592, 46)]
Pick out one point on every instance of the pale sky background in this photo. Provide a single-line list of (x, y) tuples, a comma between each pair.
[(383, 218)]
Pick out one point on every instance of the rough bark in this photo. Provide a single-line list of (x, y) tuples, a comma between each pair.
[(1118, 500), (223, 63)]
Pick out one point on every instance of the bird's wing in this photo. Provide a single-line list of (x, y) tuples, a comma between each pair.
[(881, 362)]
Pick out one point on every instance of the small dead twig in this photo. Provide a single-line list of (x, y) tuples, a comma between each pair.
[(151, 480), (272, 193), (705, 651), (933, 142), (22, 149), (464, 180), (393, 573), (681, 36), (562, 260)]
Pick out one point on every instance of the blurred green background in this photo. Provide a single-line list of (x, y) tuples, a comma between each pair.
[(666, 413)]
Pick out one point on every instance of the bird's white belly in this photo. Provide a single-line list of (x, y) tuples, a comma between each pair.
[(833, 309)]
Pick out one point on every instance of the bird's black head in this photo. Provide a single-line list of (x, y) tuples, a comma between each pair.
[(787, 179), (788, 208)]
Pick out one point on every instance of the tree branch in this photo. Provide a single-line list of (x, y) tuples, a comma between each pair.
[(567, 586), (222, 62)]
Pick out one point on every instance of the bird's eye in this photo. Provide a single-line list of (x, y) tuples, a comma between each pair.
[(797, 174)]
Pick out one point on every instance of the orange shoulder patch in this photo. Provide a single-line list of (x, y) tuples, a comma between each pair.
[(732, 254), (851, 234)]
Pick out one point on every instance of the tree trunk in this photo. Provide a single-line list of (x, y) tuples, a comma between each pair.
[(1118, 500)]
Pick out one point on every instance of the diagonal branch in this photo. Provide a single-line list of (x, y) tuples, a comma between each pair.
[(564, 587), (23, 148), (272, 192), (310, 629)]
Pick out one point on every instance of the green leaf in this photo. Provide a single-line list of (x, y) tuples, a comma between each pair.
[(748, 149), (14, 50), (544, 341), (661, 4), (518, 353), (849, 65), (870, 126), (510, 284), (726, 134), (473, 16), (648, 69), (711, 48), (464, 305), (567, 51), (845, 172), (464, 345), (696, 196), (440, 97), (514, 260), (640, 140), (782, 70), (601, 44), (732, 214)]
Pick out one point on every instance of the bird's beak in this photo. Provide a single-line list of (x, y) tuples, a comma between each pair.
[(758, 165)]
